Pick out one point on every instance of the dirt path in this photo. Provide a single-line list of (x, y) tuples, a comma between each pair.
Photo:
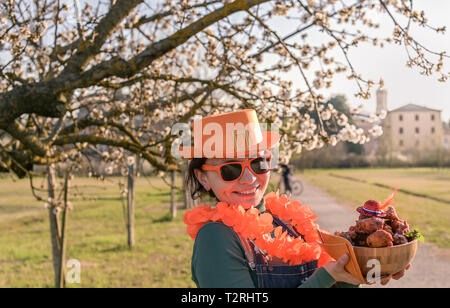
[(431, 266)]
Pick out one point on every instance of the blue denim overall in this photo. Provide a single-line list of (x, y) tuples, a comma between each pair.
[(275, 273)]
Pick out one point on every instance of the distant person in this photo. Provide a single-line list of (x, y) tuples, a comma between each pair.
[(286, 174)]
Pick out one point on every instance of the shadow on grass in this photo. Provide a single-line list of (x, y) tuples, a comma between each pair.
[(118, 248), (9, 209), (166, 218), (161, 194), (108, 198)]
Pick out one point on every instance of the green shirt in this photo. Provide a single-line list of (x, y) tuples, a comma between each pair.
[(219, 261)]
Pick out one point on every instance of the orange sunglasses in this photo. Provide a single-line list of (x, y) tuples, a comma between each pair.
[(233, 171)]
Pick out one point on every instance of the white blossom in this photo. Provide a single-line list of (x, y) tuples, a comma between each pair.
[(222, 68), (376, 131), (56, 210), (130, 160), (109, 170), (342, 121), (326, 115), (333, 140)]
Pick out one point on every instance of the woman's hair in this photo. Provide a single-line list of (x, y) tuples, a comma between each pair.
[(193, 184)]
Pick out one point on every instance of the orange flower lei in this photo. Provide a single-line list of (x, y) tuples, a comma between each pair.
[(257, 227)]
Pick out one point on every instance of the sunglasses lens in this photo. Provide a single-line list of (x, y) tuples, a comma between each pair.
[(260, 165), (231, 172)]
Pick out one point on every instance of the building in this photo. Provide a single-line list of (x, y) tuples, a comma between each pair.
[(447, 137), (381, 100), (371, 146), (409, 132), (415, 128)]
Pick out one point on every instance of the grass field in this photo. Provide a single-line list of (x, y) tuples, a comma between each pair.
[(96, 237), (431, 217)]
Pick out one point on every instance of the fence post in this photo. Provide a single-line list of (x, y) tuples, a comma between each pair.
[(130, 205), (62, 262), (55, 232), (173, 206)]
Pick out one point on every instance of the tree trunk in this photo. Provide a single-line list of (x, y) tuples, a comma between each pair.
[(173, 207), (62, 263), (187, 200), (189, 203), (185, 188), (55, 233), (130, 204)]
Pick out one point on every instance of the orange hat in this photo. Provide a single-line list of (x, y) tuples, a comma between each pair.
[(229, 135)]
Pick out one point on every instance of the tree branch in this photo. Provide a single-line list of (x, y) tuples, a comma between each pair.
[(91, 46), (120, 143), (48, 98), (126, 69)]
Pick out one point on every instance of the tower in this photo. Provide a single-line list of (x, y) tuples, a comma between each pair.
[(381, 100)]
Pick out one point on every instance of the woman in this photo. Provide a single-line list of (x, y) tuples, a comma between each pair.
[(224, 255)]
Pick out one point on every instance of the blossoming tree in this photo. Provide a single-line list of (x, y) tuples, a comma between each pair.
[(112, 77)]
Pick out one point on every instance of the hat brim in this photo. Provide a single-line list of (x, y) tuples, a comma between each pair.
[(362, 211), (269, 140)]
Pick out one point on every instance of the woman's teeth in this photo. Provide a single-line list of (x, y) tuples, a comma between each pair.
[(248, 192)]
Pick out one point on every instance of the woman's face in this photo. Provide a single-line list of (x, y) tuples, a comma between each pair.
[(248, 190)]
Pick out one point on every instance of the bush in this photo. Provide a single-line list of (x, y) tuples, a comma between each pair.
[(339, 157)]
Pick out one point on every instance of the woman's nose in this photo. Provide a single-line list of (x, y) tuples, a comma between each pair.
[(248, 177)]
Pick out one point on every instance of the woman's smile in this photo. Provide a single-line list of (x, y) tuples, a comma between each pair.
[(248, 193)]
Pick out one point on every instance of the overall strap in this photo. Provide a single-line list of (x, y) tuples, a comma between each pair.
[(248, 251), (286, 226)]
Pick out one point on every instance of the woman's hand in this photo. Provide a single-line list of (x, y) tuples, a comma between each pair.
[(339, 273), (396, 276)]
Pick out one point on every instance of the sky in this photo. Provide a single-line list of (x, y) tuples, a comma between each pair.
[(404, 85)]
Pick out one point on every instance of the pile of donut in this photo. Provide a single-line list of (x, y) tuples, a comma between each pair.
[(378, 226)]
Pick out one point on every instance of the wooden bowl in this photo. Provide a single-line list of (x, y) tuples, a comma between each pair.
[(392, 259)]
